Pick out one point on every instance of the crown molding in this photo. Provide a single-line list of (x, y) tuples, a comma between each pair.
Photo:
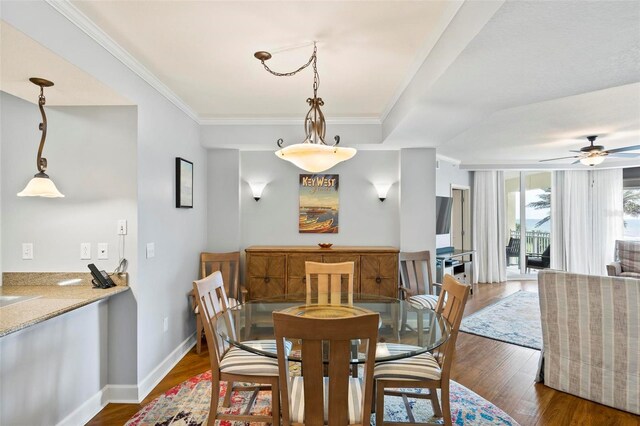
[(80, 20), (285, 121), (451, 160)]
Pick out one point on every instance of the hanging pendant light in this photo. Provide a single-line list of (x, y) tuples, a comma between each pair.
[(313, 154), (41, 185)]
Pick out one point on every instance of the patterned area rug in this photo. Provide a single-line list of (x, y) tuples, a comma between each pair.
[(188, 404), (514, 319)]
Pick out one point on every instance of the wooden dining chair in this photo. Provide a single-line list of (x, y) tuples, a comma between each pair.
[(413, 286), (303, 397), (428, 370), (232, 364), (329, 282), (229, 266)]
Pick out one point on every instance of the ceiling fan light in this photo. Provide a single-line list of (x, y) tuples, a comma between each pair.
[(315, 158), (592, 160), (41, 186)]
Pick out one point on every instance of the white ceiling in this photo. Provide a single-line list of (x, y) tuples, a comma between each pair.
[(488, 83), (22, 58), (203, 51)]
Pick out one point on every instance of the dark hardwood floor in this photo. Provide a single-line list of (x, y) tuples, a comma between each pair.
[(500, 372)]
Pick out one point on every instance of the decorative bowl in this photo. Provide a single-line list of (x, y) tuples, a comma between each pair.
[(325, 245)]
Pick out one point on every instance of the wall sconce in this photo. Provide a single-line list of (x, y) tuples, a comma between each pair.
[(382, 189), (40, 185), (257, 188)]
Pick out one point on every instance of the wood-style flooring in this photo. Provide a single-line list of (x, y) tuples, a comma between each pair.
[(499, 372)]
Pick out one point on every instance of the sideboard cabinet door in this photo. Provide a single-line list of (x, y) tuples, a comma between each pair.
[(379, 275), (266, 275)]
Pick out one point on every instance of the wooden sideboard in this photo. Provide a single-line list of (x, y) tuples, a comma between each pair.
[(277, 270)]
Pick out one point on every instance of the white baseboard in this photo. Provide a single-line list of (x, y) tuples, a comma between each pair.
[(151, 381), (86, 411), (127, 394)]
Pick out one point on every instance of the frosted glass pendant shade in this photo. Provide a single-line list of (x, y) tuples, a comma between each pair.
[(315, 158), (41, 186), (592, 160)]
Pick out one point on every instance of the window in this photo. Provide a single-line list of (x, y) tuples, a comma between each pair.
[(631, 197)]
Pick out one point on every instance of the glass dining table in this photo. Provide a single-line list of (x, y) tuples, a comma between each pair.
[(247, 324)]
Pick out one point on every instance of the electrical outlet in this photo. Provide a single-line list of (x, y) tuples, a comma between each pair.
[(85, 251), (103, 251), (151, 250), (122, 227), (165, 324), (27, 251)]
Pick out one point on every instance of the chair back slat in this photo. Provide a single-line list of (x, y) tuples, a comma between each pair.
[(412, 272), (338, 333), (212, 302), (229, 266), (451, 304), (329, 278)]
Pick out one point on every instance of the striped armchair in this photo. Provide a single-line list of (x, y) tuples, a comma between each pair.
[(590, 328), (628, 260)]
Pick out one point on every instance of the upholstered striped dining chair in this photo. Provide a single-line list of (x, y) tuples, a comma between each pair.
[(315, 400), (232, 364), (428, 370)]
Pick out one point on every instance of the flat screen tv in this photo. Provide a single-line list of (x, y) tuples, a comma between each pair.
[(443, 215)]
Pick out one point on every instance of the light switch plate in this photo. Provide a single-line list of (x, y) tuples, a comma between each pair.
[(103, 251), (151, 250), (122, 227), (85, 251), (27, 251)]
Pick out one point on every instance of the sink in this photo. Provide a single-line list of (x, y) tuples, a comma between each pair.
[(10, 300)]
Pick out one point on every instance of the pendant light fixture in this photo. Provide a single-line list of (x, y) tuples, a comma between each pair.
[(313, 154), (41, 185)]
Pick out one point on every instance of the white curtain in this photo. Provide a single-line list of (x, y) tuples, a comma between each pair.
[(608, 217), (489, 227), (586, 219)]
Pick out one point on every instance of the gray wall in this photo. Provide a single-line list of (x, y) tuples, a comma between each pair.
[(223, 198), (92, 160), (160, 285), (363, 219)]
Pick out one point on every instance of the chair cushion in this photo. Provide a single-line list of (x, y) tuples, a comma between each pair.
[(424, 301), (419, 367), (629, 255), (239, 361), (232, 302), (392, 349), (297, 399)]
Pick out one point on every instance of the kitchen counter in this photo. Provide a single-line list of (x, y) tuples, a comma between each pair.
[(48, 295)]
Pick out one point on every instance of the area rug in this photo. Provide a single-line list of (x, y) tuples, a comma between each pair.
[(514, 319), (188, 405)]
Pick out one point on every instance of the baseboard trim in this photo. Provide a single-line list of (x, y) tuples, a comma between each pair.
[(157, 374), (86, 411), (127, 394)]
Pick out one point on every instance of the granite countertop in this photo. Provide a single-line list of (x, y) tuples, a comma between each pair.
[(51, 294)]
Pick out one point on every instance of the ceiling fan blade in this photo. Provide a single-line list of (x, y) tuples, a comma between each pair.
[(574, 150), (576, 162), (624, 155), (559, 158), (624, 148)]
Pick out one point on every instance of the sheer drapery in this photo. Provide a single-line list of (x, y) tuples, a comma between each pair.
[(586, 219), (489, 227)]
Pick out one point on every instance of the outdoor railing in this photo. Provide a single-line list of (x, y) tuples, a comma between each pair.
[(535, 241)]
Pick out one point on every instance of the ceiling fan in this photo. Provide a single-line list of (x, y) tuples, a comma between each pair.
[(595, 154)]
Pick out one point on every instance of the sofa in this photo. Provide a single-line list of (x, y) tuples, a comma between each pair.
[(590, 327), (628, 263)]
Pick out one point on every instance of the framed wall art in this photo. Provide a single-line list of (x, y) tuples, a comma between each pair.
[(318, 212), (184, 183)]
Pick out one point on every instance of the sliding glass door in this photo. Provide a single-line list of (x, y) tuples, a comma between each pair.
[(528, 233)]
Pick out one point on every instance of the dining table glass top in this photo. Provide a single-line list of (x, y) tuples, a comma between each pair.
[(249, 326)]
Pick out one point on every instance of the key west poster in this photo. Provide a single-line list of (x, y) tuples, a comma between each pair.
[(318, 204)]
